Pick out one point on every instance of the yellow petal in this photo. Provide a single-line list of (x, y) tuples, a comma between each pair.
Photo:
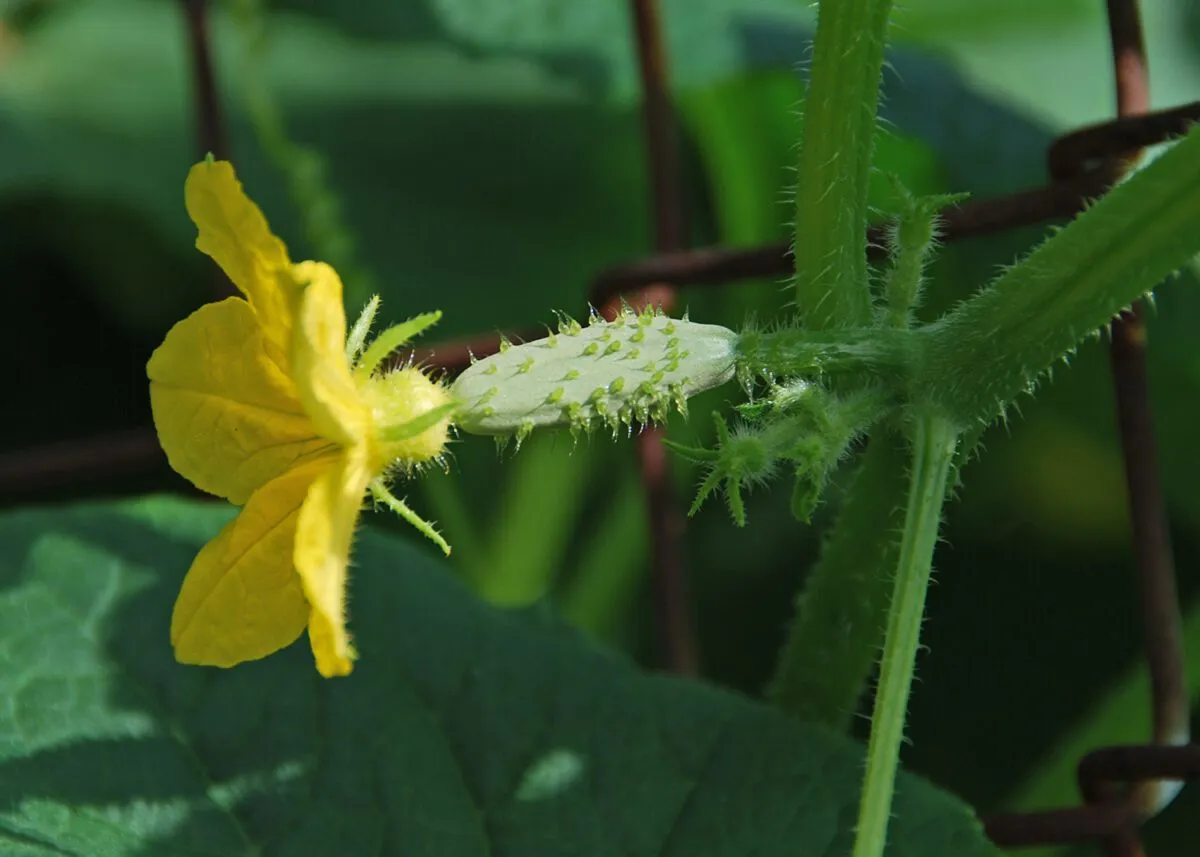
[(320, 369), (234, 232), (228, 418), (242, 599), (323, 539)]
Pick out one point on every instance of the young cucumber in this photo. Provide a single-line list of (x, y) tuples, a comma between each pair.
[(632, 369)]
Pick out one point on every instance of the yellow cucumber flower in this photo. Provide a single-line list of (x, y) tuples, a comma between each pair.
[(266, 402)]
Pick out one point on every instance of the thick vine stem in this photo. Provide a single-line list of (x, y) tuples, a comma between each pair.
[(834, 164), (933, 445), (974, 361)]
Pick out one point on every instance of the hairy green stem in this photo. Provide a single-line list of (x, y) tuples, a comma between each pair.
[(994, 347), (912, 237), (862, 353), (833, 644), (834, 165), (933, 445)]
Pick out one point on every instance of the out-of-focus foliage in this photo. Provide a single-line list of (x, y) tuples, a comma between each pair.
[(463, 732)]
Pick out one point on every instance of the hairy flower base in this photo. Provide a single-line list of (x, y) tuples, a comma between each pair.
[(397, 398), (261, 401)]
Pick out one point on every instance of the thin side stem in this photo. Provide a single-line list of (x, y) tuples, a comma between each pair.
[(833, 644), (933, 445), (380, 492)]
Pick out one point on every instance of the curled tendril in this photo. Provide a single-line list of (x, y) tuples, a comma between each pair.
[(800, 424)]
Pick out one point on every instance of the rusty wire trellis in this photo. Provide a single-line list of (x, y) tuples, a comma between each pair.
[(1122, 786)]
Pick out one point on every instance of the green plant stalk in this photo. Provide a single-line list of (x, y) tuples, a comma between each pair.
[(833, 644), (833, 169), (864, 353), (612, 565), (933, 445), (840, 615), (538, 511), (995, 346), (304, 169)]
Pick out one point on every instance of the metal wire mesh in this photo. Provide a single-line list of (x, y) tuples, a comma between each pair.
[(1122, 786)]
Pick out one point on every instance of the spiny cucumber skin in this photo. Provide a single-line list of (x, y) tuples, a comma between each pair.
[(634, 368)]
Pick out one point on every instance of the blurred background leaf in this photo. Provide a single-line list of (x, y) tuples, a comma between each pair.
[(463, 730)]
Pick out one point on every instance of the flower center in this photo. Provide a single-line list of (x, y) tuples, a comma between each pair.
[(400, 397)]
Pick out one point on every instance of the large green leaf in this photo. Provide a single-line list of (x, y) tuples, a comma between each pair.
[(464, 730)]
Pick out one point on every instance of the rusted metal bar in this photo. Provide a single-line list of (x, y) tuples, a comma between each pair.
[(455, 355), (1131, 764), (210, 130), (1107, 812), (1161, 621), (1057, 826), (717, 266), (672, 611), (70, 462), (1086, 146)]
